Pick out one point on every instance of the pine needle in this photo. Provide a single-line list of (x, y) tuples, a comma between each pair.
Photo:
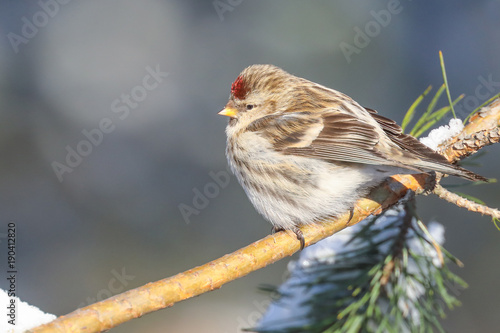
[(411, 111), (443, 69), (496, 222)]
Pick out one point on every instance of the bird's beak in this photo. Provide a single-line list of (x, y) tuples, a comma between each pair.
[(229, 110)]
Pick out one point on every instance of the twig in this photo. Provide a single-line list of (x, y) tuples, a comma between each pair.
[(483, 130), (465, 203)]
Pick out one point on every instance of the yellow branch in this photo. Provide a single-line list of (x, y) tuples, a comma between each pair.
[(164, 293), (135, 303)]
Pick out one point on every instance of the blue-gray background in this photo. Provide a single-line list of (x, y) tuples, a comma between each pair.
[(119, 208)]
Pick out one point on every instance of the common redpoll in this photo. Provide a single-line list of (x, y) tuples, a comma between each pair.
[(304, 152)]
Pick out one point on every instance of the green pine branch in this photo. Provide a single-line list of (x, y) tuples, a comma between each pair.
[(390, 280)]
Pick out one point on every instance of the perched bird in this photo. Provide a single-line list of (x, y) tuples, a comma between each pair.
[(304, 152)]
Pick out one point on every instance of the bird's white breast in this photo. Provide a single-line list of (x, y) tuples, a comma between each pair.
[(292, 190)]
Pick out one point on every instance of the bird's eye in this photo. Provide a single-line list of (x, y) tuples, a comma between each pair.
[(250, 107)]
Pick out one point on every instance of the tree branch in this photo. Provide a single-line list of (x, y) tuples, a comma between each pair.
[(465, 203), (482, 130), (134, 303)]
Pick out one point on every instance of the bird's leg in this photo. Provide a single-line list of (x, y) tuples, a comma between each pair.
[(433, 182), (300, 237), (297, 233)]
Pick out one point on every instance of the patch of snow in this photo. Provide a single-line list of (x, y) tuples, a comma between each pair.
[(443, 133), (23, 318)]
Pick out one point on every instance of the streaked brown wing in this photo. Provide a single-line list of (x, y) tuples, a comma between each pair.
[(407, 142), (422, 156), (335, 137), (338, 136)]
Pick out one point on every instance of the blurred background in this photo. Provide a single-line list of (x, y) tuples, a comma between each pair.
[(109, 131)]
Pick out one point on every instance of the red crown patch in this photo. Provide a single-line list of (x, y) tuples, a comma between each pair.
[(238, 88)]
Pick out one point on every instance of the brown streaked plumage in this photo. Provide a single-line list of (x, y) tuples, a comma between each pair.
[(304, 152)]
